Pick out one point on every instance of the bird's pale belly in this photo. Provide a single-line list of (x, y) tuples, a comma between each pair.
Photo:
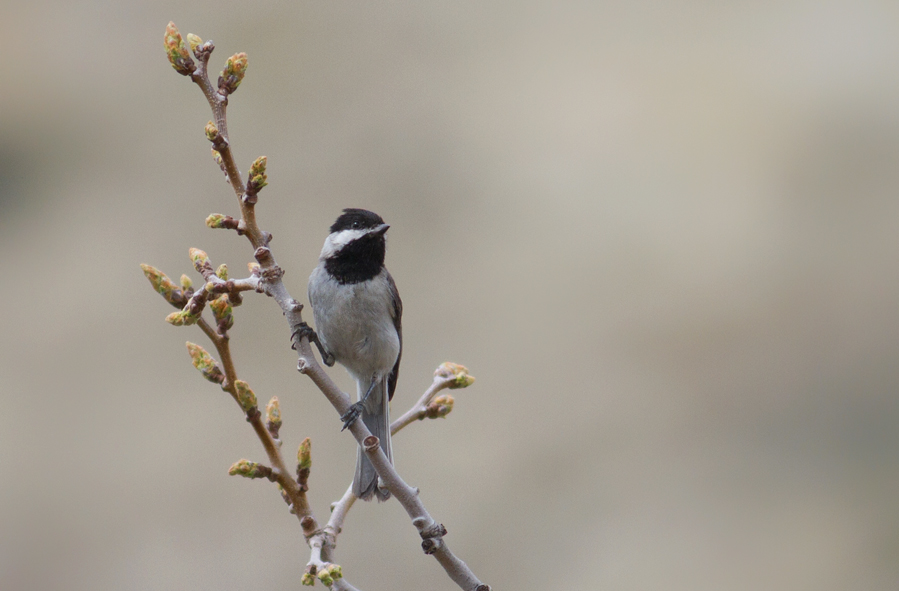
[(368, 342)]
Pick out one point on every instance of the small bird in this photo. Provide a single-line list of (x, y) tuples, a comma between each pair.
[(358, 320)]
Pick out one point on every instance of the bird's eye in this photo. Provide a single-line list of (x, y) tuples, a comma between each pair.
[(355, 224)]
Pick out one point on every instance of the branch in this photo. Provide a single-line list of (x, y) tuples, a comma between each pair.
[(448, 375), (431, 532), (430, 406), (325, 540), (280, 473)]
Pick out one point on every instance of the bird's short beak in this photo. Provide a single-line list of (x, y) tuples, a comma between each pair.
[(381, 229)]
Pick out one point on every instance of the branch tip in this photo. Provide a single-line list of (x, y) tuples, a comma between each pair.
[(327, 573), (186, 283), (457, 373), (182, 318), (231, 77), (195, 42), (245, 396), (249, 469), (439, 407), (218, 220), (201, 262), (273, 416), (177, 52), (164, 286), (304, 455), (257, 179), (222, 311)]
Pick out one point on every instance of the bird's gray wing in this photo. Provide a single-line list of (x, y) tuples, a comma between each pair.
[(398, 323)]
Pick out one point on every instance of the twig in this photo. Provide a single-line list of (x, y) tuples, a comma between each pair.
[(431, 532), (419, 410), (299, 503)]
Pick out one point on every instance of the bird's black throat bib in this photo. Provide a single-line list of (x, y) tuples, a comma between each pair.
[(360, 260)]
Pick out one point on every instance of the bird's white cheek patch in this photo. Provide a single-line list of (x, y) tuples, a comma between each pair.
[(337, 240)]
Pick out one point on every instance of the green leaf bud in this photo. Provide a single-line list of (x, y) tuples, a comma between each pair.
[(182, 318), (458, 373), (245, 396), (163, 285), (177, 52), (235, 69), (204, 362), (304, 455), (194, 42), (211, 131), (249, 469), (273, 414)]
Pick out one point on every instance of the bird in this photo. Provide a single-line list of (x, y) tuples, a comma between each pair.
[(358, 323)]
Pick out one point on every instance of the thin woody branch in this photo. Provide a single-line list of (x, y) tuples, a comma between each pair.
[(448, 375), (432, 533), (297, 496), (430, 405)]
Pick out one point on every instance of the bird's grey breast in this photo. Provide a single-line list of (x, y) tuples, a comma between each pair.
[(355, 321)]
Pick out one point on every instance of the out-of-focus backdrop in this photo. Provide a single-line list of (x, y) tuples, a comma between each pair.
[(662, 235)]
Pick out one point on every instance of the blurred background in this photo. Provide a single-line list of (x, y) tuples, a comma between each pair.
[(661, 235)]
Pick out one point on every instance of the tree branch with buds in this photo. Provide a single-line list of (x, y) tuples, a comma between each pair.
[(221, 294)]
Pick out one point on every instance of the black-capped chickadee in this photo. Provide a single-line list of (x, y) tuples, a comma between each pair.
[(358, 316)]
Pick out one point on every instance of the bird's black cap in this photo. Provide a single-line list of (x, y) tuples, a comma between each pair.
[(356, 219)]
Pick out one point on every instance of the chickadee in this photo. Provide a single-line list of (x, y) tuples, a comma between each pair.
[(358, 316)]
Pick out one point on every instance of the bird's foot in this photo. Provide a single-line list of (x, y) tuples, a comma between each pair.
[(350, 416), (304, 330)]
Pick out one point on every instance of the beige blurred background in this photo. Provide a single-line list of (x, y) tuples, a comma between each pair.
[(662, 236)]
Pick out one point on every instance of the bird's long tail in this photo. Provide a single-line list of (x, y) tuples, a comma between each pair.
[(376, 416)]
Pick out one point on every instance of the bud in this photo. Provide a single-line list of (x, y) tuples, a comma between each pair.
[(335, 571), (216, 220), (458, 373), (235, 69), (308, 580), (249, 469), (245, 397), (211, 131), (324, 575), (204, 362), (258, 178), (221, 310), (182, 318), (163, 285), (273, 414), (254, 268), (218, 160), (194, 42), (201, 261), (222, 272), (440, 407), (304, 455), (186, 283), (177, 52)]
